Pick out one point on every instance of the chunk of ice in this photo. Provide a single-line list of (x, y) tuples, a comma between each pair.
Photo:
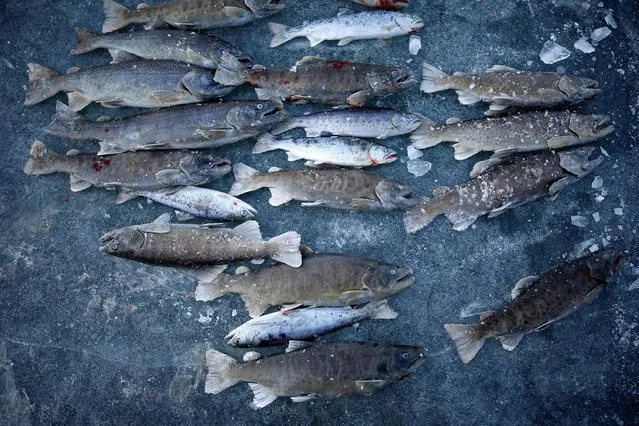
[(419, 167), (583, 45), (634, 285), (553, 52), (619, 211), (610, 20), (600, 33), (579, 221), (597, 183), (234, 312), (414, 44), (604, 152), (413, 153), (599, 198), (593, 248), (596, 216)]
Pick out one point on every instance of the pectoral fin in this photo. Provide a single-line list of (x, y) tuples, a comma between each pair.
[(77, 184), (358, 98), (522, 285), (368, 387), (361, 203), (296, 345), (170, 177), (254, 306), (557, 142), (355, 297), (262, 396), (278, 197), (590, 297), (345, 41)]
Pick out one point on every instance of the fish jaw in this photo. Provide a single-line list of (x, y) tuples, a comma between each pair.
[(122, 242), (404, 279)]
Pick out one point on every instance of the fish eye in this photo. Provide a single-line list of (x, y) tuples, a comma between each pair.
[(405, 355), (393, 272), (259, 106)]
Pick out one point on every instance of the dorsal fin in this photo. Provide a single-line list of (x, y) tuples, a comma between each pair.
[(72, 70)]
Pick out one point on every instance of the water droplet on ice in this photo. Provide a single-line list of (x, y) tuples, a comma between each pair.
[(553, 52)]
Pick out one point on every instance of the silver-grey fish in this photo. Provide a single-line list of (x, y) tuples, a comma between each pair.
[(208, 125), (145, 84), (198, 202), (189, 14), (376, 123), (335, 188), (129, 171), (507, 87), (334, 150), (322, 280), (499, 184), (192, 48), (523, 132), (347, 27), (537, 302), (324, 370), (303, 324)]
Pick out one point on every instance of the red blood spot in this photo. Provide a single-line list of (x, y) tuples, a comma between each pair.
[(105, 161), (66, 200), (337, 64), (96, 167), (106, 129), (286, 82)]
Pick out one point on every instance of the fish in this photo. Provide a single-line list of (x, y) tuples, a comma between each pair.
[(503, 183), (307, 371), (322, 280), (144, 84), (192, 201), (189, 14), (537, 302), (334, 150), (303, 324), (378, 123), (335, 188), (347, 27), (317, 80), (208, 125), (523, 132), (203, 250), (385, 4), (505, 87), (192, 48), (130, 171)]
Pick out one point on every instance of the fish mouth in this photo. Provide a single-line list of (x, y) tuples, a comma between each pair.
[(419, 361), (404, 280), (416, 25), (229, 338), (601, 127), (276, 112), (109, 242), (389, 158)]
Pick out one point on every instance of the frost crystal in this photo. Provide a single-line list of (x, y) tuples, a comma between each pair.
[(553, 52), (583, 45), (579, 221), (419, 167), (600, 33)]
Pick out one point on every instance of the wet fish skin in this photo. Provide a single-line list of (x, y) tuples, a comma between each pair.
[(539, 301), (203, 202), (322, 280), (189, 14), (129, 171), (303, 324), (145, 84), (347, 27), (384, 4), (522, 132), (507, 87), (326, 370), (192, 48), (339, 151), (207, 125), (378, 123), (317, 80), (335, 188), (163, 243), (499, 184)]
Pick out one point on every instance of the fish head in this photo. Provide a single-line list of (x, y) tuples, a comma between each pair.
[(200, 84), (395, 195), (409, 23), (405, 360), (390, 80), (239, 209), (590, 127), (208, 167), (122, 242), (261, 115), (263, 8), (405, 123), (578, 88), (604, 264), (385, 280), (379, 154), (577, 161), (242, 336)]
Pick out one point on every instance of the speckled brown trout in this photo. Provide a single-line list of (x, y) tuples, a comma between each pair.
[(499, 184), (322, 280), (324, 370), (189, 14), (317, 80), (507, 87), (537, 302)]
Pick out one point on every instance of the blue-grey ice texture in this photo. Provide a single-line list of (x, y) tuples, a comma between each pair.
[(86, 338)]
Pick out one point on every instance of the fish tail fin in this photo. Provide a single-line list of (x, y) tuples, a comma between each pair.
[(381, 310), (230, 72), (65, 121), (42, 84), (287, 249), (467, 346), (206, 291), (219, 366), (420, 215), (41, 161), (86, 41), (432, 79), (114, 16), (244, 179), (265, 143), (279, 32)]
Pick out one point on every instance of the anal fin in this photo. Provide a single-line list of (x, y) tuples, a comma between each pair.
[(510, 341)]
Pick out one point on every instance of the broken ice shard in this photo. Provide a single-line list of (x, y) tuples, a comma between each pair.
[(579, 221), (553, 52), (583, 45), (600, 33), (419, 167)]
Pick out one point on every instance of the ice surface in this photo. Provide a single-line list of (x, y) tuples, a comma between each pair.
[(600, 33), (419, 167), (553, 52), (583, 45), (579, 221)]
